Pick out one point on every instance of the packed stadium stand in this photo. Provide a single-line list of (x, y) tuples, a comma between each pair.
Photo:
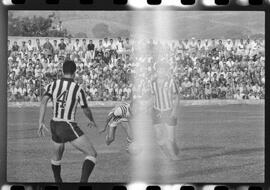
[(117, 69)]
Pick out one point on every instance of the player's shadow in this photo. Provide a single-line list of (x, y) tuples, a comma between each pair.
[(225, 153), (206, 171), (236, 152), (202, 148)]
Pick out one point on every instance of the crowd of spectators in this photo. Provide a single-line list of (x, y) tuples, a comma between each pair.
[(116, 69)]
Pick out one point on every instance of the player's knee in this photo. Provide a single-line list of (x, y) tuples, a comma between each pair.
[(91, 158), (92, 153), (56, 162), (58, 155)]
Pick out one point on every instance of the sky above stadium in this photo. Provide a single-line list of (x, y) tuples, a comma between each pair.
[(183, 24)]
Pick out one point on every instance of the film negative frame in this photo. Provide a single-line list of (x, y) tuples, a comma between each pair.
[(263, 5)]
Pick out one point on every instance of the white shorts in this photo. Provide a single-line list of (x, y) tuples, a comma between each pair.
[(117, 121)]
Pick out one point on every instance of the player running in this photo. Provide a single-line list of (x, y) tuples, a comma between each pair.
[(119, 116), (166, 103), (65, 95)]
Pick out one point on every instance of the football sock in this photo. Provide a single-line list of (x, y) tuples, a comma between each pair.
[(171, 139), (87, 168), (165, 150), (56, 168)]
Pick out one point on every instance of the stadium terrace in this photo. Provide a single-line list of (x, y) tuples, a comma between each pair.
[(203, 69)]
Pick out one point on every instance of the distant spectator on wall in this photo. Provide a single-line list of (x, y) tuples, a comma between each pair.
[(47, 48)]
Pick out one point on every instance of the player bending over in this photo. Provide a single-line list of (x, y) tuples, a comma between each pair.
[(119, 116), (65, 95)]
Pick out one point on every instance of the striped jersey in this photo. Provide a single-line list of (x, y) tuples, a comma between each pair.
[(163, 92), (120, 111), (65, 95)]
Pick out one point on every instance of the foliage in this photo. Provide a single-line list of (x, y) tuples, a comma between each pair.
[(123, 33), (32, 26), (101, 30), (80, 35)]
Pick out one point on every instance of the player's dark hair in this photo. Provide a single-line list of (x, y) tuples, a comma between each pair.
[(69, 67)]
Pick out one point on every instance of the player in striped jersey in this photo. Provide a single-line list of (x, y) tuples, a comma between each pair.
[(65, 95), (166, 103), (118, 116)]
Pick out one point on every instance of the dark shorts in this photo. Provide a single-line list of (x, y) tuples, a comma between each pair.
[(63, 131), (164, 117)]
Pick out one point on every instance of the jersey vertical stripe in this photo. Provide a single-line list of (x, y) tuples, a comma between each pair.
[(65, 94), (69, 99), (54, 94), (120, 111), (49, 87), (163, 92), (59, 90), (53, 87), (66, 87), (73, 101), (124, 110), (82, 98)]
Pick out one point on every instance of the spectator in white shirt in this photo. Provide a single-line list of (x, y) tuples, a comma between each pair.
[(252, 95), (84, 46), (241, 47), (193, 45), (238, 95), (185, 44), (99, 48), (106, 45), (55, 47), (69, 46), (256, 88), (228, 48), (230, 62), (77, 46), (112, 45), (30, 47), (119, 45), (128, 46)]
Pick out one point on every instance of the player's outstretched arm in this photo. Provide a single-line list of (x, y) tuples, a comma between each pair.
[(105, 128), (111, 115), (88, 113), (43, 108)]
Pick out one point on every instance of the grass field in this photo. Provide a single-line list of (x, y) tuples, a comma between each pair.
[(218, 144)]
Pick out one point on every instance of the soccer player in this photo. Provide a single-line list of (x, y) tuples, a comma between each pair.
[(65, 95), (166, 102), (119, 116)]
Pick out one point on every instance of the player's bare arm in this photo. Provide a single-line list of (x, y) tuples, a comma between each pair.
[(43, 108), (107, 124), (88, 113)]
